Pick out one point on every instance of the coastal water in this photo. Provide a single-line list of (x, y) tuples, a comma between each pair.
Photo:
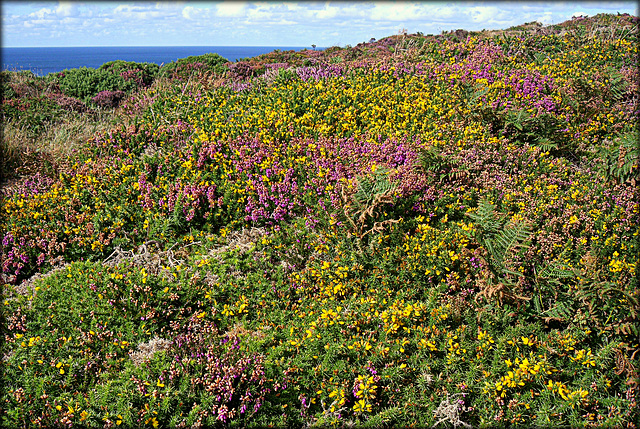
[(43, 61)]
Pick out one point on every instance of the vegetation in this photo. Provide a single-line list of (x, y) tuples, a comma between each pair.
[(419, 230)]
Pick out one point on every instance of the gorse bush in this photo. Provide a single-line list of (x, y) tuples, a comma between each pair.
[(416, 231)]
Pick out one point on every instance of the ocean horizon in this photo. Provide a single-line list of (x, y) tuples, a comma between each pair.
[(43, 61)]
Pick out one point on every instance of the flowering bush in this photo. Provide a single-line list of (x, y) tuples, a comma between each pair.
[(442, 233), (108, 99), (184, 68)]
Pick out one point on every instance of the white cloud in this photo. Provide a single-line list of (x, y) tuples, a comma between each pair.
[(65, 8), (294, 7), (286, 22), (546, 19), (125, 10), (231, 9), (259, 14), (399, 11), (137, 12), (189, 12), (42, 21), (327, 12), (40, 14), (483, 14), (69, 21), (441, 12), (169, 4)]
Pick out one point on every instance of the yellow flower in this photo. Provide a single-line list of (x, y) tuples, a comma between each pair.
[(361, 406)]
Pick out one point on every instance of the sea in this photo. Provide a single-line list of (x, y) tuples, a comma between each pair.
[(43, 61)]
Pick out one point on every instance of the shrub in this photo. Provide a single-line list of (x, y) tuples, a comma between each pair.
[(143, 74), (33, 113), (85, 83), (68, 103), (108, 99), (184, 67)]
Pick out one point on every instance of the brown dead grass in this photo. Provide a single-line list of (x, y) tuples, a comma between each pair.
[(23, 154)]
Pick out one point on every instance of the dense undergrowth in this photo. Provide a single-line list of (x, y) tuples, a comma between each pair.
[(421, 230)]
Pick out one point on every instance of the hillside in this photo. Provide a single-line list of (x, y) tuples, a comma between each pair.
[(415, 231)]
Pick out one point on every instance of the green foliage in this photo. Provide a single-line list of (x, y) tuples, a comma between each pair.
[(29, 101), (581, 296), (502, 240), (34, 114), (618, 86), (185, 67), (365, 205), (442, 166), (622, 158), (85, 83), (286, 75), (6, 89), (372, 188), (142, 73)]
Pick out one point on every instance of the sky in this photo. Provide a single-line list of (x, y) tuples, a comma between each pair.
[(270, 23)]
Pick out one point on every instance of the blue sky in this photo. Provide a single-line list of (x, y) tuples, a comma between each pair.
[(248, 23)]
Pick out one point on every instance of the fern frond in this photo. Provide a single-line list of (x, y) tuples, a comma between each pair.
[(617, 84), (371, 187), (515, 235), (623, 158), (546, 145), (486, 217), (555, 271), (513, 273), (562, 311)]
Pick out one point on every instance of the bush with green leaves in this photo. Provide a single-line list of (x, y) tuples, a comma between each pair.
[(85, 83), (32, 113), (143, 74), (185, 67)]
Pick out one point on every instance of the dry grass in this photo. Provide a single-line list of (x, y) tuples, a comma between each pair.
[(146, 350), (449, 411), (23, 154)]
